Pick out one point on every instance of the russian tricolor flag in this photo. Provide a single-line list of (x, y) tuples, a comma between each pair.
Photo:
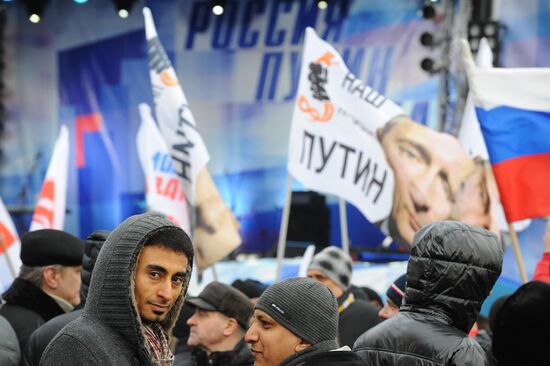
[(513, 108)]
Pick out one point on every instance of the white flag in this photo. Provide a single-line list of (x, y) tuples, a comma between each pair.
[(174, 117), (470, 135), (50, 208), (333, 145), (163, 192), (10, 248), (215, 231)]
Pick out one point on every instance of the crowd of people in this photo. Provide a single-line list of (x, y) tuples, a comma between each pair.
[(120, 298)]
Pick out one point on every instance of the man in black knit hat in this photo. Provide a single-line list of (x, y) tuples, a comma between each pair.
[(296, 323), (48, 284)]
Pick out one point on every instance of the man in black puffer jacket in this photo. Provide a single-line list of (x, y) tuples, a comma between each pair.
[(452, 269), (42, 336)]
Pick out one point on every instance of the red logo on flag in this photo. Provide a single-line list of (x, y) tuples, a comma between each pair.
[(45, 208), (7, 237), (318, 78)]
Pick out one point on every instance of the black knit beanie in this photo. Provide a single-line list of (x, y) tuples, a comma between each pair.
[(304, 306)]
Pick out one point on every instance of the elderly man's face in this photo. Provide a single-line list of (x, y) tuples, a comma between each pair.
[(429, 168), (206, 329), (69, 284)]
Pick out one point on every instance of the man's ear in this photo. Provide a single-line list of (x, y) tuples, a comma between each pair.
[(49, 278), (301, 346), (231, 326)]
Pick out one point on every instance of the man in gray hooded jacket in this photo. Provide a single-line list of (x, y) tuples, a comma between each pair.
[(452, 269), (135, 295)]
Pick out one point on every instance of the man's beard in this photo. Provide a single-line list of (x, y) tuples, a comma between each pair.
[(150, 322)]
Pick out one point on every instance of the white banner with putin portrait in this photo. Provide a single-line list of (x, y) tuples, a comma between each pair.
[(348, 140), (333, 144)]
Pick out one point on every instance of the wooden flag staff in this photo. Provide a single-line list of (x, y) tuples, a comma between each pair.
[(517, 252)]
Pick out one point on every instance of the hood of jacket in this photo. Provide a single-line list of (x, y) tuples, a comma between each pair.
[(111, 297), (92, 246), (451, 270)]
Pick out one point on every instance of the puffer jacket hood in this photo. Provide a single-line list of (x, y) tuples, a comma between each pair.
[(111, 294), (451, 270), (92, 246)]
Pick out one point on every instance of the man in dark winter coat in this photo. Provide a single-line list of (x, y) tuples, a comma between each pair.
[(333, 268), (137, 290), (10, 355), (521, 325), (217, 327), (48, 284), (295, 324), (40, 338), (452, 269)]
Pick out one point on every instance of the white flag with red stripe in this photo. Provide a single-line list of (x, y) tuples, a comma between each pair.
[(10, 248), (50, 208), (163, 187)]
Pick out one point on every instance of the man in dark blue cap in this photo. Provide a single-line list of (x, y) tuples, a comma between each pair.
[(48, 283)]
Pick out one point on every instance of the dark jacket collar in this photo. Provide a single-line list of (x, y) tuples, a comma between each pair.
[(240, 355), (25, 294), (301, 357)]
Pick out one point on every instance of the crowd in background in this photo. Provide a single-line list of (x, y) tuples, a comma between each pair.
[(120, 298)]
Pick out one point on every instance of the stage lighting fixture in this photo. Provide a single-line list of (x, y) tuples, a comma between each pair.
[(124, 7), (322, 4), (80, 1), (431, 40), (430, 65), (428, 11), (489, 29), (218, 6), (35, 9)]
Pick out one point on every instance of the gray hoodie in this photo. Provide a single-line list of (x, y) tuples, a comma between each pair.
[(109, 330)]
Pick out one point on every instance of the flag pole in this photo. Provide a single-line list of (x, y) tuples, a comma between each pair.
[(7, 256), (284, 227), (517, 252), (343, 225), (214, 272)]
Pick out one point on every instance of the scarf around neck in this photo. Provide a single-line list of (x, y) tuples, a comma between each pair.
[(157, 344)]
